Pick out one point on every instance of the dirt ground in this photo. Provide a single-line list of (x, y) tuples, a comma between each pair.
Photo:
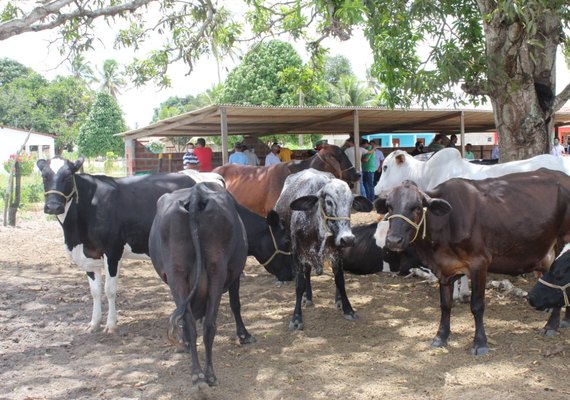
[(46, 353)]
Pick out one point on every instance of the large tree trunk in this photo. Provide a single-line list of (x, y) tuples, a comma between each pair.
[(521, 79)]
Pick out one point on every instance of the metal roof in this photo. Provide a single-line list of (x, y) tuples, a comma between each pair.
[(267, 120)]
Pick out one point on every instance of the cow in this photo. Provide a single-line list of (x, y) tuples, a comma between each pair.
[(446, 164), (508, 225), (103, 220), (198, 246), (316, 208), (551, 291), (258, 188)]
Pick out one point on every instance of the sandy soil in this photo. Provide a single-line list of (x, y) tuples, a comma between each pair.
[(46, 353)]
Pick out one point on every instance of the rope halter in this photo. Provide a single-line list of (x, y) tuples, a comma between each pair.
[(69, 196), (327, 217), (563, 288), (277, 251), (416, 226)]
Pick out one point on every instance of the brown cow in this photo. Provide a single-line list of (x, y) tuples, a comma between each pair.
[(258, 188), (507, 225)]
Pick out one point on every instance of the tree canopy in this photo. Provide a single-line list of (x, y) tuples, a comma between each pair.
[(425, 52), (104, 120)]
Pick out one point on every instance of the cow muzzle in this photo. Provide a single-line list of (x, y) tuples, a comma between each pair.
[(346, 241), (54, 207)]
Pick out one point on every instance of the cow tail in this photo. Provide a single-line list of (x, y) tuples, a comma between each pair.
[(176, 319)]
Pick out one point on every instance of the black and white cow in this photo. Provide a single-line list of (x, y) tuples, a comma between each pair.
[(103, 220), (316, 208), (552, 291), (198, 246)]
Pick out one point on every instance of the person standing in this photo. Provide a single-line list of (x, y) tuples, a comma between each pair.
[(419, 149), (285, 154), (568, 145), (452, 140), (189, 160), (557, 149), (495, 152), (238, 156), (273, 156), (379, 157), (204, 154), (469, 155), (368, 167), (436, 144), (251, 156)]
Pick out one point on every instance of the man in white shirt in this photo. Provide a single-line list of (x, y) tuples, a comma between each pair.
[(273, 157), (557, 149)]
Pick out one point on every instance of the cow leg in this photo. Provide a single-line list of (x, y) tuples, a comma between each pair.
[(478, 281), (308, 296), (565, 323), (445, 303), (214, 298), (300, 288), (347, 309), (111, 277), (553, 323), (241, 331), (94, 279)]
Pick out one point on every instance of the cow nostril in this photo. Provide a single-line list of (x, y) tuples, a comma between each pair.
[(347, 241)]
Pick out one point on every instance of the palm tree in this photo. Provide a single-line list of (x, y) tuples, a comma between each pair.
[(112, 78), (350, 92), (81, 69)]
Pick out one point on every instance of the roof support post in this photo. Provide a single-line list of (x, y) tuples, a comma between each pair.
[(462, 123), (224, 130), (357, 159)]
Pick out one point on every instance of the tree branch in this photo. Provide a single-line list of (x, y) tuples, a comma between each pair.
[(561, 99), (32, 22)]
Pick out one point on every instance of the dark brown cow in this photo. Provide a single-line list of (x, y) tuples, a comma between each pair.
[(258, 188), (506, 225)]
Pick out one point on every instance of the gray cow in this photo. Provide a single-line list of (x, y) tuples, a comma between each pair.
[(316, 208)]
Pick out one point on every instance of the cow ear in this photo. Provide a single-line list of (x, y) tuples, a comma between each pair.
[(362, 204), (380, 205), (439, 207), (78, 163), (41, 164), (272, 219), (304, 203), (401, 158), (184, 205)]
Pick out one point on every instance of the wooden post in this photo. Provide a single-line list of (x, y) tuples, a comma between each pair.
[(8, 199), (224, 129)]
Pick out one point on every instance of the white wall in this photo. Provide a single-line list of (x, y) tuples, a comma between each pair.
[(12, 139)]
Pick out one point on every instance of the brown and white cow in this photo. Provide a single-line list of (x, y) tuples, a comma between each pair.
[(506, 225), (258, 188)]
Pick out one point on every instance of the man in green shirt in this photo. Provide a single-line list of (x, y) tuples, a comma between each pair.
[(368, 167)]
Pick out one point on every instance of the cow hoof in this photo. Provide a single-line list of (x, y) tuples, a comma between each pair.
[(439, 343), (296, 325), (92, 328), (564, 324), (548, 332), (198, 378), (351, 316), (306, 302), (479, 350), (464, 299), (110, 329), (247, 339), (200, 386), (281, 283), (212, 381)]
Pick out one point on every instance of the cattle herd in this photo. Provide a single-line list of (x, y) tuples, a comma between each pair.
[(456, 218)]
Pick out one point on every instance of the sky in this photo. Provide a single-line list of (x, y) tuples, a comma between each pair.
[(138, 104)]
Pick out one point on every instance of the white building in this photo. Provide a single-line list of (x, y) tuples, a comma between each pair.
[(39, 145)]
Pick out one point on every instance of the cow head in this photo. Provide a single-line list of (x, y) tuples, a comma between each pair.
[(549, 290), (279, 261), (59, 183), (335, 161), (331, 207), (397, 167), (406, 208)]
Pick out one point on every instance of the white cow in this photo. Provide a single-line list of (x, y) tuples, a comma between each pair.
[(448, 163)]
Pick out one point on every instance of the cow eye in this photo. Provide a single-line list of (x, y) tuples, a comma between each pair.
[(384, 168), (329, 203)]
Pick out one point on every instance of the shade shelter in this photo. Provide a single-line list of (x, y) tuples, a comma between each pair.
[(223, 120)]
